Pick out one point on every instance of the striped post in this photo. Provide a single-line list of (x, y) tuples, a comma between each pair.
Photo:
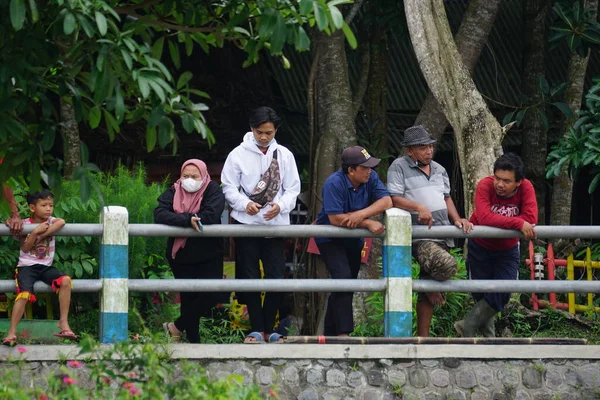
[(397, 265), (114, 272)]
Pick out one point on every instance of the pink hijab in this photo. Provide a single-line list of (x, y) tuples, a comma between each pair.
[(188, 202)]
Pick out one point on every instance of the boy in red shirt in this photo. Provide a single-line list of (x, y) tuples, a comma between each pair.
[(504, 200)]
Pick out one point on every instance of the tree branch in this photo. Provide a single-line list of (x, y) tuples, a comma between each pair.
[(353, 11), (165, 24), (363, 81), (133, 7)]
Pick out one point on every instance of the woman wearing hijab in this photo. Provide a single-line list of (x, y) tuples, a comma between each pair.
[(260, 181), (194, 200)]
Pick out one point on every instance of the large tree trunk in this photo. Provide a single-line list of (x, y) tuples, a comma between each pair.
[(70, 135), (476, 130), (562, 191), (535, 140), (470, 39), (331, 120)]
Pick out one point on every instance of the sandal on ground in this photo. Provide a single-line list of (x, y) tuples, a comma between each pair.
[(170, 335), (275, 338), (254, 338), (66, 334), (10, 341)]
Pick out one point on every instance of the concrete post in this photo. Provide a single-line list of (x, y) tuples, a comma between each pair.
[(397, 268), (114, 272)]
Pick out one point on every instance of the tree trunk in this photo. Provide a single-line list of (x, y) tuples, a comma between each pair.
[(535, 139), (476, 130), (70, 135), (562, 190), (470, 39)]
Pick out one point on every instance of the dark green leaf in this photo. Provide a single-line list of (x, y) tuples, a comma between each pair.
[(69, 24), (94, 117), (174, 52), (279, 35), (144, 86), (187, 121), (520, 116), (305, 6), (17, 14), (184, 79), (157, 48), (508, 117), (84, 188), (165, 132), (101, 22), (83, 22), (302, 40), (268, 21), (544, 119), (349, 36), (336, 17), (594, 184), (320, 16), (150, 139), (85, 153), (155, 116), (35, 15), (565, 109), (119, 105), (543, 86), (48, 140)]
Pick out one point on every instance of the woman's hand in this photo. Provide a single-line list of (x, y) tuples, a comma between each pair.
[(273, 212), (194, 222), (253, 208)]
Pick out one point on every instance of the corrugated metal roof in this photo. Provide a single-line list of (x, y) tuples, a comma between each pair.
[(497, 75)]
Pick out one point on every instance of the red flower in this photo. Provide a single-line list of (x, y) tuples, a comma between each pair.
[(272, 393), (69, 381), (21, 349), (43, 397), (75, 364)]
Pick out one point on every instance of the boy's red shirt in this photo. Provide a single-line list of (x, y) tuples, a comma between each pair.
[(507, 213)]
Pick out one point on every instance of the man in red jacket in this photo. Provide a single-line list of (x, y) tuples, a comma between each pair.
[(503, 200)]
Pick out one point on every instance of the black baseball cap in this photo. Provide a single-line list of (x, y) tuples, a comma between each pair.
[(357, 155)]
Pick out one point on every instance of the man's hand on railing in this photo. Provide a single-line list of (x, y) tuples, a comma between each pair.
[(425, 216), (528, 231), (375, 227), (465, 224)]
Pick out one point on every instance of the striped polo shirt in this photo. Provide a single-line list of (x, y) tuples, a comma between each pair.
[(406, 179)]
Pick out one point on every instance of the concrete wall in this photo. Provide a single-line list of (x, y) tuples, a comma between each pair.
[(370, 372)]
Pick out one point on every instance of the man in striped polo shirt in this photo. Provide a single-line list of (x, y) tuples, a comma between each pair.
[(421, 186)]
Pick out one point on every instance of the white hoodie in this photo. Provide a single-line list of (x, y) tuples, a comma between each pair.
[(242, 170)]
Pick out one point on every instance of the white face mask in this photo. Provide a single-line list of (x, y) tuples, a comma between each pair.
[(191, 185), (258, 144)]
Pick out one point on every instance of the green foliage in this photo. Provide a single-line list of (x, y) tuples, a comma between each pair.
[(575, 25), (125, 371), (550, 97), (580, 146), (104, 58)]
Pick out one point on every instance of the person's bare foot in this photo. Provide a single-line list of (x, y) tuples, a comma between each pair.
[(436, 298)]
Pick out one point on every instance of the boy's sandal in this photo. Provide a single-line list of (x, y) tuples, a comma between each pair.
[(170, 335), (66, 334), (10, 341), (254, 338), (275, 338)]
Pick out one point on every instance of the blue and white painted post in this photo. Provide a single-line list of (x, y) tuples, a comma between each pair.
[(114, 273), (397, 265)]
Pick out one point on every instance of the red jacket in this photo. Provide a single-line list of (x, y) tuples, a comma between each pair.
[(507, 213)]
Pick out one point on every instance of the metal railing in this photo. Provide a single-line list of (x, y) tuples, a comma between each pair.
[(397, 284)]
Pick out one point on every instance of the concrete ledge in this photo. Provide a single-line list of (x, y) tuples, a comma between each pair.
[(328, 351)]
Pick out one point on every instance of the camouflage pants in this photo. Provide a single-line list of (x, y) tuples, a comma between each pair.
[(435, 260)]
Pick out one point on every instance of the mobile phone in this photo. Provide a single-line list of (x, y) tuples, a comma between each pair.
[(200, 226)]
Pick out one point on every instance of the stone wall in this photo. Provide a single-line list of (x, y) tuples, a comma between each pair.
[(361, 372)]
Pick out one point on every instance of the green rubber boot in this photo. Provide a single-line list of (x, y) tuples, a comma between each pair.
[(489, 329), (477, 318)]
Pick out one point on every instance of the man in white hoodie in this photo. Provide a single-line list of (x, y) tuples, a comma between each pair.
[(261, 182)]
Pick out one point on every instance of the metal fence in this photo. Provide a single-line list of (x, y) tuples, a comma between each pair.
[(114, 284)]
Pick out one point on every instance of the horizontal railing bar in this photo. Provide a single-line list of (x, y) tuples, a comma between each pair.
[(507, 286), (70, 229), (79, 286), (323, 285), (418, 232), (254, 285)]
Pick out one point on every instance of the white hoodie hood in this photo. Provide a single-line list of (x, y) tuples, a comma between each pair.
[(242, 171)]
